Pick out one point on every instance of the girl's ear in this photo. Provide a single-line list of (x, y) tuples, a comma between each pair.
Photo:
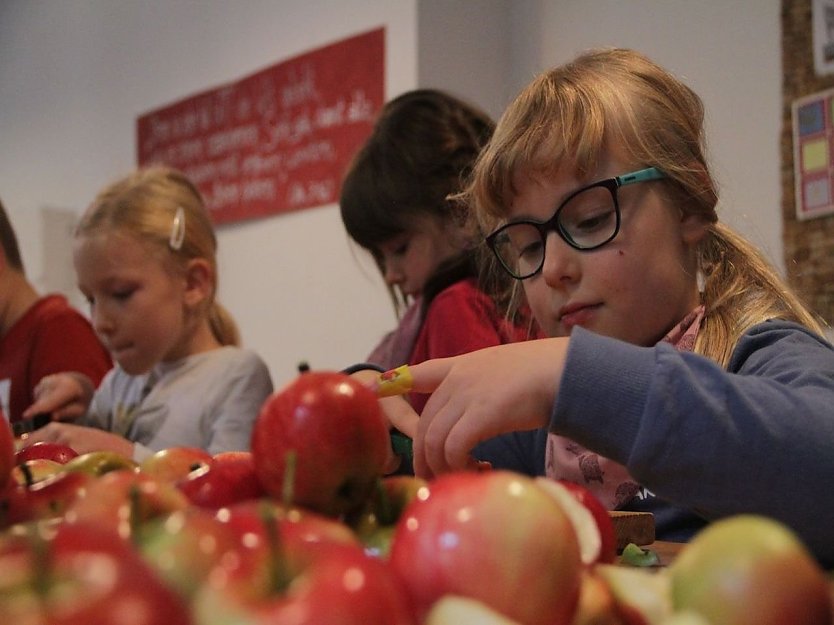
[(199, 281), (693, 228)]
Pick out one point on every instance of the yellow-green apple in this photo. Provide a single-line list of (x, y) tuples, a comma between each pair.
[(591, 521), (228, 478), (100, 462), (35, 470), (750, 569), (596, 602), (58, 452), (376, 520), (308, 569), (185, 545), (329, 432), (455, 610), (642, 596), (174, 463), (78, 575), (494, 536), (123, 500)]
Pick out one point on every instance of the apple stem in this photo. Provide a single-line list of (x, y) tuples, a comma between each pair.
[(303, 366), (279, 578), (288, 485), (42, 570), (386, 511)]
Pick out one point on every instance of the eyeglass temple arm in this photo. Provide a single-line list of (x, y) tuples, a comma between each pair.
[(643, 175)]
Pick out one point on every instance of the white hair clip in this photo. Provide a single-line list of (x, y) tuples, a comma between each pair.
[(177, 230)]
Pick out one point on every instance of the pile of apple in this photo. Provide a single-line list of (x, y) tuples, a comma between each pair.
[(304, 529)]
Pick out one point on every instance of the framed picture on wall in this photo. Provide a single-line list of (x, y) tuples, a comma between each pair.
[(813, 134), (823, 36)]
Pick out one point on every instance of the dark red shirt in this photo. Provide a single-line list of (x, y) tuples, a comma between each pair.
[(462, 319), (51, 337)]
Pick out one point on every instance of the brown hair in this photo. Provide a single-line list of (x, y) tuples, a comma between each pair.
[(617, 97), (421, 149), (8, 241), (162, 207)]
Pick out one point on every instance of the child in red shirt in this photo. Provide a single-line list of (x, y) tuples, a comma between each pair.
[(38, 335), (398, 203)]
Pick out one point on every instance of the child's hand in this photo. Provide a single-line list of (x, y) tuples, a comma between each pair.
[(65, 396), (82, 439), (483, 394), (397, 410)]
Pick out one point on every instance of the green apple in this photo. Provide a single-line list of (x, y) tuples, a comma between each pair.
[(100, 462), (375, 523), (750, 569)]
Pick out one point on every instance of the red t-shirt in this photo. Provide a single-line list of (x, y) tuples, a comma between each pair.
[(51, 337), (462, 319)]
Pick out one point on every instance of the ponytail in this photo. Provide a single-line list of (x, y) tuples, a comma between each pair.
[(740, 290)]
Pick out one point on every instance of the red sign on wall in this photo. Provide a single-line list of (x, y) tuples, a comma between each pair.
[(278, 140)]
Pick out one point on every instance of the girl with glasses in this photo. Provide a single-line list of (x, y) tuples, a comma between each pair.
[(395, 204), (682, 376), (145, 258)]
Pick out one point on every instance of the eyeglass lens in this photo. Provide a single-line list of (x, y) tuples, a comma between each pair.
[(586, 220)]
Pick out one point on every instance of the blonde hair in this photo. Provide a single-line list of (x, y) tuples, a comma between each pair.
[(162, 207), (619, 98)]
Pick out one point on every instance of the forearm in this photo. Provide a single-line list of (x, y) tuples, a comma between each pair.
[(705, 439)]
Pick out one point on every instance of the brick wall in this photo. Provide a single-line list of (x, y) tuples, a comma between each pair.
[(808, 244)]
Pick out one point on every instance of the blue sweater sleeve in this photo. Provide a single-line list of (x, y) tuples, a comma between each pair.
[(756, 438)]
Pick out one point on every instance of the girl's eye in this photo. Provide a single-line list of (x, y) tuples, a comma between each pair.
[(122, 294), (401, 250)]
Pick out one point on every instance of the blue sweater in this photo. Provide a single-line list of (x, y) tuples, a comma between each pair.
[(705, 442)]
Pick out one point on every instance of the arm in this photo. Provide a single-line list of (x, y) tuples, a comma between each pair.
[(756, 440)]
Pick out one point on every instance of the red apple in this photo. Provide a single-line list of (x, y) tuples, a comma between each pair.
[(57, 452), (750, 569), (333, 428), (255, 523), (122, 501), (77, 575), (305, 584), (591, 521), (174, 463), (227, 479), (493, 536), (46, 499), (6, 449)]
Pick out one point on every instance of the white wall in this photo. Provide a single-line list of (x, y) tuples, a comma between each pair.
[(75, 74)]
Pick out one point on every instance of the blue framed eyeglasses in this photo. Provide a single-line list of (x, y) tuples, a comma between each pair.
[(587, 219)]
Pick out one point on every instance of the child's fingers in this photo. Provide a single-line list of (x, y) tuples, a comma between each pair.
[(422, 378), (400, 415)]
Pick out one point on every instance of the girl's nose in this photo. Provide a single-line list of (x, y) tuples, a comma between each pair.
[(101, 321), (392, 275), (561, 262)]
